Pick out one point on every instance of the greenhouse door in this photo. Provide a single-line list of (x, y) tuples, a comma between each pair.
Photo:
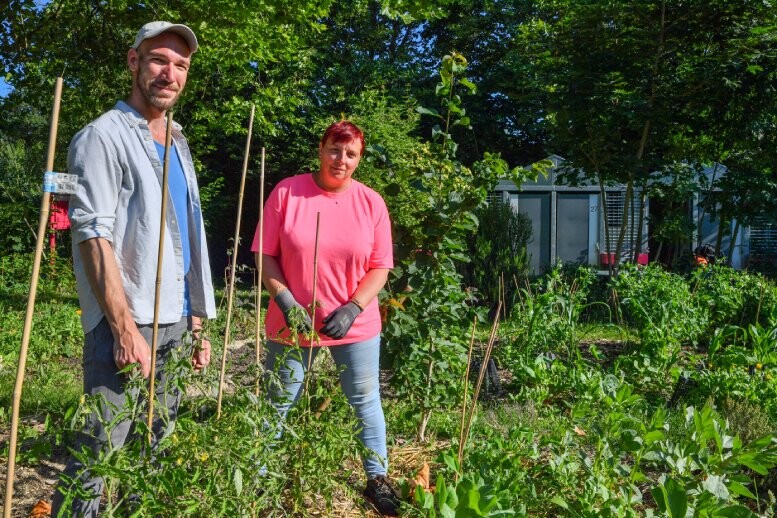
[(537, 207), (572, 215)]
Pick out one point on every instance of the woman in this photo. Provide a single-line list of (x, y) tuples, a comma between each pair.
[(354, 259)]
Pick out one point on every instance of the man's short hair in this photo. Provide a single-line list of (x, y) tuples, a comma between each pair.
[(153, 29)]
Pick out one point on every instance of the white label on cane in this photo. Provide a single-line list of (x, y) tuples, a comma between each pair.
[(61, 183)]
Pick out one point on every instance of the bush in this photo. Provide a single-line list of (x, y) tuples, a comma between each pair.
[(498, 250), (733, 297), (652, 300)]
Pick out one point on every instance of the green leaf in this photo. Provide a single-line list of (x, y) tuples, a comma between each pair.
[(428, 111), (237, 478), (654, 436), (671, 498), (560, 502), (740, 489), (735, 511), (468, 84), (716, 485), (750, 462)]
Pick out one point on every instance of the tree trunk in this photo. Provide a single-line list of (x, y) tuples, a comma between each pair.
[(734, 234), (640, 221), (624, 222), (722, 230), (708, 199), (603, 211)]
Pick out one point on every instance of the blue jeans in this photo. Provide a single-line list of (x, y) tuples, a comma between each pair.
[(101, 377), (358, 364)]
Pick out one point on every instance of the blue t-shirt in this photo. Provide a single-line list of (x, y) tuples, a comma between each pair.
[(179, 192)]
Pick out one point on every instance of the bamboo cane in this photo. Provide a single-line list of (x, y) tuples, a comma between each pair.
[(231, 290), (502, 295), (313, 305), (158, 288), (483, 368), (259, 264), (42, 222), (427, 412), (466, 386)]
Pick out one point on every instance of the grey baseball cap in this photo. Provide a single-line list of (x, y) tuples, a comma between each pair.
[(152, 29)]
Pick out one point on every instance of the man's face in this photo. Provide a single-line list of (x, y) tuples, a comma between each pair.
[(159, 68)]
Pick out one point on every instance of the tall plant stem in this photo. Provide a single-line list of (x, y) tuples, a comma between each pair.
[(158, 287), (232, 272), (465, 382), (313, 307), (481, 375), (259, 264), (42, 222)]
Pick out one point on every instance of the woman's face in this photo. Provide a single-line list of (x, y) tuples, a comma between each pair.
[(338, 162)]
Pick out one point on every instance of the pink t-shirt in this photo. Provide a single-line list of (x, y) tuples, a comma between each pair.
[(354, 237)]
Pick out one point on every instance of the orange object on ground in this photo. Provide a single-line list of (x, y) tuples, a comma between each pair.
[(41, 510)]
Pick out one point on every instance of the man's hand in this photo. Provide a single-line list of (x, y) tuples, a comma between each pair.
[(201, 353), (131, 348), (297, 319), (339, 321)]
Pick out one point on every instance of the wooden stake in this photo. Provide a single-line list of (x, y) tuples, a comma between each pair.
[(466, 386), (158, 289), (427, 413), (483, 368), (42, 222), (231, 290), (502, 292), (259, 264), (313, 305)]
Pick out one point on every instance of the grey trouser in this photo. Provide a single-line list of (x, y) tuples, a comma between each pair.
[(101, 377)]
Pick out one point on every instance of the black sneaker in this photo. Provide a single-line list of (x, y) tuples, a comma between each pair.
[(382, 496)]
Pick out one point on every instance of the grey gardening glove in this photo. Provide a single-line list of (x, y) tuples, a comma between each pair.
[(339, 321), (297, 319)]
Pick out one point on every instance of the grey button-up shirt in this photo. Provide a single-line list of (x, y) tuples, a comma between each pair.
[(118, 198)]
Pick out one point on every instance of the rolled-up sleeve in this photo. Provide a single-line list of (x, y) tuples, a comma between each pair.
[(93, 205)]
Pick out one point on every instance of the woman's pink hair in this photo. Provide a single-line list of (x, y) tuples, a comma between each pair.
[(343, 131)]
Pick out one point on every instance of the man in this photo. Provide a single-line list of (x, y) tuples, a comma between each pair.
[(115, 215)]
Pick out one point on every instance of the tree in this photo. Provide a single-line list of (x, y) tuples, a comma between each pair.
[(509, 106), (635, 87)]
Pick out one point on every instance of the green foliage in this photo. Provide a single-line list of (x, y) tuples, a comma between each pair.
[(593, 430), (55, 339), (651, 298), (466, 497), (735, 298), (544, 324), (19, 196), (499, 246), (434, 200)]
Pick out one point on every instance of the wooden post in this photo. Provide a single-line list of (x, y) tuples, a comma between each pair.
[(158, 289), (313, 306), (464, 399), (259, 264), (231, 289), (42, 222), (483, 368)]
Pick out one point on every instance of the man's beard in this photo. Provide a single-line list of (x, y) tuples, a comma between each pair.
[(158, 102)]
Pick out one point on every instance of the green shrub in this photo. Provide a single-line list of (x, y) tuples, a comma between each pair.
[(660, 305), (733, 297), (497, 252)]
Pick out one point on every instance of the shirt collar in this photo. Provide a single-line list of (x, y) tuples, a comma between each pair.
[(136, 119)]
